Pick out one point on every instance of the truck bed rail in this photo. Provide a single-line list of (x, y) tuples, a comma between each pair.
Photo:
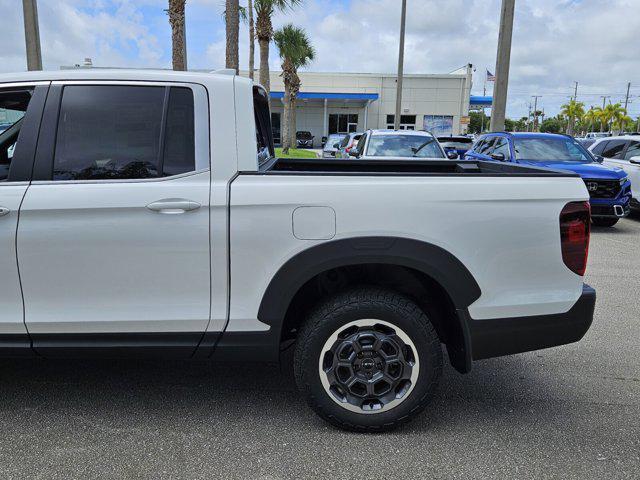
[(403, 167)]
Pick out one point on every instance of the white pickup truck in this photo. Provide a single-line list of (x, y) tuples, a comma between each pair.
[(143, 212)]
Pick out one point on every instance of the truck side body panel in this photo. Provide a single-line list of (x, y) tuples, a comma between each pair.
[(504, 230)]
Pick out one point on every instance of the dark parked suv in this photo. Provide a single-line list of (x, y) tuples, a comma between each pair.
[(304, 139)]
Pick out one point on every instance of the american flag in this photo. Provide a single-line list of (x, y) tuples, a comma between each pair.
[(490, 77)]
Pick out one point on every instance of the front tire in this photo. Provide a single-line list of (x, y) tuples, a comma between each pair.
[(604, 221), (368, 360)]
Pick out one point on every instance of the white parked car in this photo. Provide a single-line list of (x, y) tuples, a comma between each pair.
[(596, 135), (332, 145), (624, 152), (398, 144), (154, 219)]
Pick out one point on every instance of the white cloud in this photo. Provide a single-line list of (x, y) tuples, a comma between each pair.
[(72, 29)]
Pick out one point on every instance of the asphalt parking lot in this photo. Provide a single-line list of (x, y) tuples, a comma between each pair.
[(568, 412)]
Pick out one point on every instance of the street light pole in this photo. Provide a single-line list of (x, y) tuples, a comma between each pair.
[(403, 20), (503, 58), (32, 34)]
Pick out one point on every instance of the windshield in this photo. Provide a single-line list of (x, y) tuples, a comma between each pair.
[(333, 139), (420, 146), (550, 150), (457, 144), (304, 135)]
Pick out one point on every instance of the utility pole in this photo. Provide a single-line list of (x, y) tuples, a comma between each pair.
[(529, 117), (403, 20), (626, 104), (32, 34), (500, 86), (535, 111), (604, 99), (575, 93), (626, 98)]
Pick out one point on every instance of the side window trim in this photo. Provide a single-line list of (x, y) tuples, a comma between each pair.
[(45, 150)]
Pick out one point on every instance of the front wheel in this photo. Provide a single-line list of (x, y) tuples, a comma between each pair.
[(368, 360), (604, 221)]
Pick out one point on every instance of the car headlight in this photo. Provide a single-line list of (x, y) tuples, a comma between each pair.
[(624, 180)]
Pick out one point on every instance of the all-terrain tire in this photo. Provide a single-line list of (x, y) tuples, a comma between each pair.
[(356, 305)]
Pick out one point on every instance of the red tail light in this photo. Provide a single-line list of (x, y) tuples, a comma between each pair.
[(575, 228)]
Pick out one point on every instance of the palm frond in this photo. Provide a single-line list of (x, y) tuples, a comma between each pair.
[(294, 45)]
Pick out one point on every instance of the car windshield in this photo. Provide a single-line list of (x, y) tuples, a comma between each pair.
[(456, 144), (304, 135), (332, 140), (551, 149), (420, 146)]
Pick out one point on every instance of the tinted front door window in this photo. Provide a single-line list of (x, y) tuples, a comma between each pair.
[(614, 149), (108, 132)]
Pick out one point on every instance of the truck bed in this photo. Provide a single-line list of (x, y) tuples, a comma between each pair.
[(343, 166)]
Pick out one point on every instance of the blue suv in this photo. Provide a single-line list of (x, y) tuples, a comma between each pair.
[(609, 188)]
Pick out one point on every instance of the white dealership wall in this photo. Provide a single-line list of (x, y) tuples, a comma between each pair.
[(445, 95)]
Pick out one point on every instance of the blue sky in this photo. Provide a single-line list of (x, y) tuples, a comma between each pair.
[(554, 42)]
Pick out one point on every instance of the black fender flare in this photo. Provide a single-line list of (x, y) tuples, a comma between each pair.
[(432, 260)]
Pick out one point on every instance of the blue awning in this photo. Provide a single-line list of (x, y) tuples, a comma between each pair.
[(480, 100), (331, 96)]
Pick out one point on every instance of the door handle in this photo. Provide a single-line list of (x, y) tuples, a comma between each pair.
[(173, 206), (4, 211)]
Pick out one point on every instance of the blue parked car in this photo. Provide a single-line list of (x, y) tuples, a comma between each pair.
[(609, 188), (459, 144)]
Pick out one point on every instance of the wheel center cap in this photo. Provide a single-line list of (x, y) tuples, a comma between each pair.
[(368, 364)]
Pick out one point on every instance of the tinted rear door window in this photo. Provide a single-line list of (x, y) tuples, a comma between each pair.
[(110, 132)]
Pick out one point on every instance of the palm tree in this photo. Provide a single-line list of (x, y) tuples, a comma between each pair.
[(252, 39), (572, 110), (610, 113), (264, 31), (178, 40), (295, 52), (232, 26), (590, 117), (620, 122)]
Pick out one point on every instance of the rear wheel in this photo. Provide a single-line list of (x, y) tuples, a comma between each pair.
[(604, 221), (368, 359)]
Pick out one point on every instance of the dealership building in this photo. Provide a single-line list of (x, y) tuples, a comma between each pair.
[(352, 102)]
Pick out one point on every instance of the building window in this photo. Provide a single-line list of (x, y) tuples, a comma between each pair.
[(407, 122), (343, 123), (275, 128), (438, 124)]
